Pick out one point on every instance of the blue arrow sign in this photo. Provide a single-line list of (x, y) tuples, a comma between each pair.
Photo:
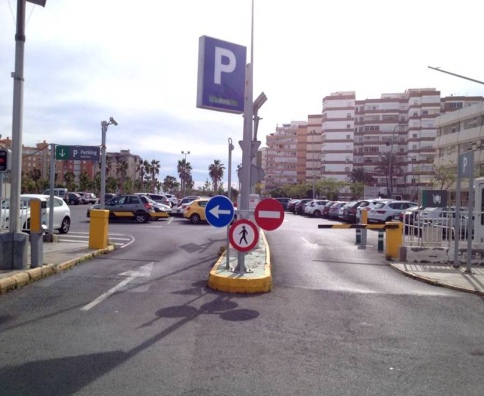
[(219, 211)]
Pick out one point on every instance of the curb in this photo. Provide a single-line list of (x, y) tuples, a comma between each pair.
[(436, 282), (222, 280), (34, 274)]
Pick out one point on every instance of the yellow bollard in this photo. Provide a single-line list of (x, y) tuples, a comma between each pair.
[(98, 229), (394, 238)]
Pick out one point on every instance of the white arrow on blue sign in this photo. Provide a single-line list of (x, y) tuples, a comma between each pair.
[(219, 211)]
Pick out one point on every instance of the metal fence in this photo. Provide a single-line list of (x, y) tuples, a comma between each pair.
[(437, 228)]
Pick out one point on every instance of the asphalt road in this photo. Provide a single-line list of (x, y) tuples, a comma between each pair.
[(141, 321)]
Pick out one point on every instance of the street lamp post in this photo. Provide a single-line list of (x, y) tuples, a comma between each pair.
[(390, 164), (184, 174), (104, 129), (14, 243), (313, 134)]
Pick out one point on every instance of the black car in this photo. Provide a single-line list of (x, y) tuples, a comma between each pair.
[(291, 205), (283, 201), (73, 199), (299, 208)]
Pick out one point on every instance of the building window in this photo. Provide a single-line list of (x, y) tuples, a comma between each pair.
[(347, 169), (348, 115), (414, 136), (348, 137)]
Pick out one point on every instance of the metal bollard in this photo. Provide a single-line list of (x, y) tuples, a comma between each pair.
[(381, 233), (358, 236)]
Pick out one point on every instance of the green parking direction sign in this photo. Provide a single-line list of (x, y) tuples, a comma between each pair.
[(62, 152), (85, 153)]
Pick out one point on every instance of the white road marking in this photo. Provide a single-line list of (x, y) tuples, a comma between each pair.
[(312, 245), (143, 272)]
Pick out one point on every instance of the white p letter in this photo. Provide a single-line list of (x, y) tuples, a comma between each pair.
[(220, 67)]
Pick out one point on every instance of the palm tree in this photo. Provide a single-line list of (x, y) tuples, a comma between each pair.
[(155, 170), (389, 164), (360, 175), (184, 170), (216, 173)]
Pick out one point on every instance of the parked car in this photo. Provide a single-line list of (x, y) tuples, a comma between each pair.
[(325, 212), (366, 204), (315, 207), (386, 210), (133, 206), (291, 205), (90, 198), (58, 192), (160, 198), (409, 219), (73, 198), (283, 201), (349, 211), (299, 208), (62, 213), (333, 212), (182, 204), (195, 211), (173, 199)]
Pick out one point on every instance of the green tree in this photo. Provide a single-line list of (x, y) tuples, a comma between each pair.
[(155, 171), (170, 183), (184, 170), (389, 164), (360, 175), (444, 176), (69, 178), (216, 173)]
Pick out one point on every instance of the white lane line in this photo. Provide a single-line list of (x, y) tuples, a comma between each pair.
[(312, 245), (143, 271)]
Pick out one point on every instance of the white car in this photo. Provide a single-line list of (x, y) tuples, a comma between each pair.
[(173, 199), (62, 213), (367, 204), (315, 207), (386, 210)]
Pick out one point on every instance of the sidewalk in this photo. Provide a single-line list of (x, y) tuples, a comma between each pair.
[(58, 257), (445, 275)]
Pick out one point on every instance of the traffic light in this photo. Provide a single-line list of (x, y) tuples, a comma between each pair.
[(3, 160)]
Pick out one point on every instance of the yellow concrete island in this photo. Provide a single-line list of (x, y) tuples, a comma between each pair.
[(98, 229), (258, 279)]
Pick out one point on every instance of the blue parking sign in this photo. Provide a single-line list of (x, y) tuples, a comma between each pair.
[(219, 211), (221, 75)]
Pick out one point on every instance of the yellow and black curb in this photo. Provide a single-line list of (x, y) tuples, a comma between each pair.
[(30, 275), (259, 281)]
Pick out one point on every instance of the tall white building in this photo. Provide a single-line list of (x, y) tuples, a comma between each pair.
[(353, 133)]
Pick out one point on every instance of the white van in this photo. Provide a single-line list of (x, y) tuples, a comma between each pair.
[(58, 192)]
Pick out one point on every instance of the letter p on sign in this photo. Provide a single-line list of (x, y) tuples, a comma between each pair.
[(222, 54)]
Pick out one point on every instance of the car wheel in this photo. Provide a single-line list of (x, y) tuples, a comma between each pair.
[(65, 226), (195, 219), (141, 218), (316, 213), (72, 202)]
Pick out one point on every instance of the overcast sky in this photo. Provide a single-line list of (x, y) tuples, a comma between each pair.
[(88, 60)]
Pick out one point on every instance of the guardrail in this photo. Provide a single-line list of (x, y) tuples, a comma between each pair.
[(440, 229)]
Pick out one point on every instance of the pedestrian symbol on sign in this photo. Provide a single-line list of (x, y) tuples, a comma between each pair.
[(243, 235)]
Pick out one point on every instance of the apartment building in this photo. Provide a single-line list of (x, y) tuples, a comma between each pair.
[(283, 160), (353, 133), (458, 132)]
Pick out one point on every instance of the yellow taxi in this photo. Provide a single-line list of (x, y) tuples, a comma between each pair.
[(195, 210)]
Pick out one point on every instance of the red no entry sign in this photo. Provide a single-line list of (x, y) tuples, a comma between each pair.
[(269, 214), (243, 235)]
